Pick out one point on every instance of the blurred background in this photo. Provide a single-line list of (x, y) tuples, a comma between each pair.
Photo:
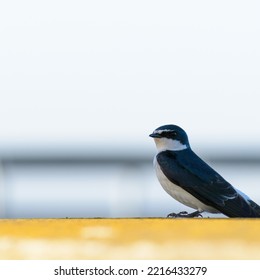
[(83, 84)]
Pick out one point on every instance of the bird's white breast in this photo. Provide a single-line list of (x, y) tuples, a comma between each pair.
[(179, 193)]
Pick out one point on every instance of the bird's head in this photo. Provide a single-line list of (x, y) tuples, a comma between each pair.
[(170, 137)]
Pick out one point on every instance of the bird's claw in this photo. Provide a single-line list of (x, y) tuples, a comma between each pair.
[(184, 214), (179, 215)]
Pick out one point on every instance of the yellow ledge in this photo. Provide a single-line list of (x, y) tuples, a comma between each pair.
[(130, 239)]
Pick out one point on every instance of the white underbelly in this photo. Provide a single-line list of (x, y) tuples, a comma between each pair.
[(179, 193)]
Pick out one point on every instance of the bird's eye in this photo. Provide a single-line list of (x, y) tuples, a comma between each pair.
[(173, 133), (169, 134)]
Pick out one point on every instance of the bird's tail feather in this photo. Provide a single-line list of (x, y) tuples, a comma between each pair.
[(241, 207), (255, 206)]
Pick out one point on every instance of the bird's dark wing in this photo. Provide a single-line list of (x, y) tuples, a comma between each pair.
[(188, 171)]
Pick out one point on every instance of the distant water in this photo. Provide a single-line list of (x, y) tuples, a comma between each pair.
[(102, 190)]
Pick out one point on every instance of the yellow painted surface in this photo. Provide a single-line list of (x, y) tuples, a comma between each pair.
[(130, 239)]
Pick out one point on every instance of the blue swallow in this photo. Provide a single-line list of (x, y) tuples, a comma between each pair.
[(192, 182)]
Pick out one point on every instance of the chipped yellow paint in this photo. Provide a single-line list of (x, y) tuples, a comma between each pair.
[(130, 239)]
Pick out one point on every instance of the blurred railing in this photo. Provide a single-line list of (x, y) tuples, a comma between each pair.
[(132, 162)]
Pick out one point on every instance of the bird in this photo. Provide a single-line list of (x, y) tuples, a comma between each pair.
[(192, 182)]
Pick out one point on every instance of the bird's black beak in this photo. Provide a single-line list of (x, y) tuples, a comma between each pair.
[(155, 135)]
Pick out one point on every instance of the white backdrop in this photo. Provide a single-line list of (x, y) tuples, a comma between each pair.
[(109, 72)]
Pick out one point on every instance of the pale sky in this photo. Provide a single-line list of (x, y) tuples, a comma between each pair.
[(110, 72)]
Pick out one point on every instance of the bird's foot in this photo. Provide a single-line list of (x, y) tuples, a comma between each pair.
[(184, 214)]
